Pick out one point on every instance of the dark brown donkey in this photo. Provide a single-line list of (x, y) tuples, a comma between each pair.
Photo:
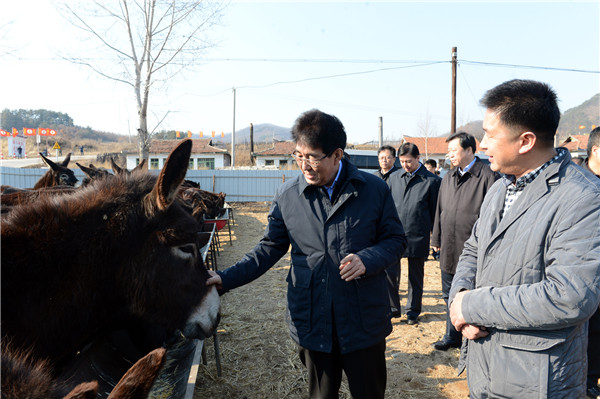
[(58, 175), (72, 262)]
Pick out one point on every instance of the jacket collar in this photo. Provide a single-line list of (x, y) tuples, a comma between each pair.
[(349, 173), (533, 192), (475, 170), (421, 171), (389, 172)]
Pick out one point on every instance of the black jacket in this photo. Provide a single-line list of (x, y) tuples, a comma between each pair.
[(415, 198), (362, 220), (386, 176), (457, 210)]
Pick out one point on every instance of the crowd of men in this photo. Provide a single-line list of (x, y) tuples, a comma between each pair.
[(518, 242)]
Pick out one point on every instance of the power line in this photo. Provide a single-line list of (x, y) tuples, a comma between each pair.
[(338, 75), (495, 64), (344, 61)]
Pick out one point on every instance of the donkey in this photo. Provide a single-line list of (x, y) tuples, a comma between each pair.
[(130, 248), (58, 175), (26, 377), (92, 173)]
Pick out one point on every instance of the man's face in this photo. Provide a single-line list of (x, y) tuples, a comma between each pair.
[(501, 144), (409, 163), (323, 170), (457, 155), (386, 160), (430, 168)]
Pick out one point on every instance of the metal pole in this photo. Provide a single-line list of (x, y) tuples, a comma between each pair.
[(453, 116), (233, 134), (380, 131), (251, 144)]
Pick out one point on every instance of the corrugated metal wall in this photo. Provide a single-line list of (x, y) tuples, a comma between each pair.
[(238, 185)]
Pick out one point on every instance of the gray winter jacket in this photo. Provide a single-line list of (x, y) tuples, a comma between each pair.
[(535, 278)]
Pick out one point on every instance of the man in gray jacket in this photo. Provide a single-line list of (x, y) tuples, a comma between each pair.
[(528, 278), (344, 232)]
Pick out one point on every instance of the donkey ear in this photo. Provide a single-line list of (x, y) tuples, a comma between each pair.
[(172, 175), (66, 161), (88, 171), (116, 168), (141, 166), (51, 164)]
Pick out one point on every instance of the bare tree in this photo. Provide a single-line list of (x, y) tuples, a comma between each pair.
[(426, 129), (146, 43)]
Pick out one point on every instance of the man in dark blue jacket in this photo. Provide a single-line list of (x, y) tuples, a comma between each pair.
[(344, 232), (415, 192)]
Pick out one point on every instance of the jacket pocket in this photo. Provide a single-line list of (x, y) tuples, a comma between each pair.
[(373, 302), (520, 363), (299, 298)]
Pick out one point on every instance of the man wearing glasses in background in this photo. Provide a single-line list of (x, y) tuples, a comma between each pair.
[(386, 155), (344, 232)]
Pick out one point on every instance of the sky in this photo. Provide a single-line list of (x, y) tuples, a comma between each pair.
[(360, 61)]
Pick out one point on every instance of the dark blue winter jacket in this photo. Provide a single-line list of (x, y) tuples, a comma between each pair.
[(361, 220)]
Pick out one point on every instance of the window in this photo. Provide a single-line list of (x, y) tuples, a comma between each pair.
[(206, 163), (283, 163), (153, 163), (269, 162), (137, 161), (191, 164)]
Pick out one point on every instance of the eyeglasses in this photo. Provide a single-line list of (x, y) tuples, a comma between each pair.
[(313, 163)]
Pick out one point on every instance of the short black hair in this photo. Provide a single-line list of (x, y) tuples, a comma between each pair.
[(593, 140), (431, 162), (389, 148), (465, 140), (525, 104), (408, 148), (319, 130)]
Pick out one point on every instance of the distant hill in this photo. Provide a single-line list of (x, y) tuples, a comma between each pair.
[(474, 128), (263, 133), (586, 114)]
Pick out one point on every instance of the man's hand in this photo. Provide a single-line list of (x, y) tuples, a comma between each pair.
[(214, 279), (436, 249), (351, 267), (456, 316), (469, 331)]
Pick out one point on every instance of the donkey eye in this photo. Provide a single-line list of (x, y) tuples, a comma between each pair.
[(186, 251), (189, 248)]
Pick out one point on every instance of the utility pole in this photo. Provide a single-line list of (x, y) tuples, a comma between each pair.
[(233, 134), (251, 143), (380, 131), (453, 116)]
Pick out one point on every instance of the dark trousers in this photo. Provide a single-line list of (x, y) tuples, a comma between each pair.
[(364, 368), (416, 271), (451, 334), (593, 349), (392, 274)]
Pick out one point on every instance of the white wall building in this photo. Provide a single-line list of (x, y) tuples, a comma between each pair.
[(204, 155), (277, 157)]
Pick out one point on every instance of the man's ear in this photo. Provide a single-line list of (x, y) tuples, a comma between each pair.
[(527, 142), (338, 154)]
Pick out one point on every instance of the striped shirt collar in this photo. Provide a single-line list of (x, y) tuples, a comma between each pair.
[(514, 188)]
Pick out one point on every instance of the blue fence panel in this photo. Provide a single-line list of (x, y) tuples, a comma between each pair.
[(238, 185)]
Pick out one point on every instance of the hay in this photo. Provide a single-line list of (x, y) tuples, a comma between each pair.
[(260, 360)]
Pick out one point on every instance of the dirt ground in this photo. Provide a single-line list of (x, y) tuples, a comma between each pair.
[(259, 358)]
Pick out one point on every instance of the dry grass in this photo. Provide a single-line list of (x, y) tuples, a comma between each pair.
[(259, 359)]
